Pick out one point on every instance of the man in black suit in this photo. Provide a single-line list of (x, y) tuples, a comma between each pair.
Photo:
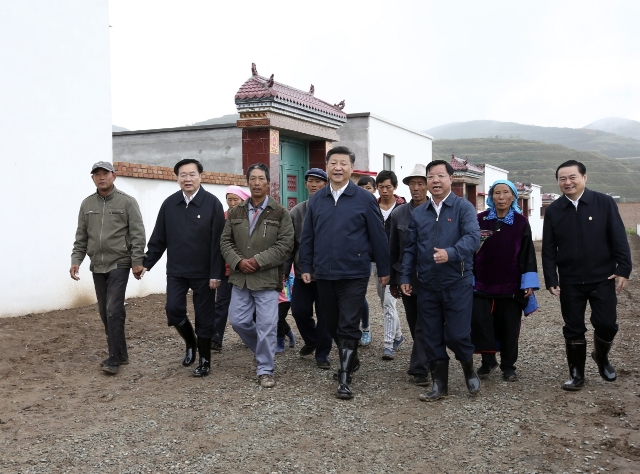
[(189, 227), (584, 239)]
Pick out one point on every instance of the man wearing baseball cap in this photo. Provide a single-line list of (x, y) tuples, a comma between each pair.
[(110, 231), (303, 296)]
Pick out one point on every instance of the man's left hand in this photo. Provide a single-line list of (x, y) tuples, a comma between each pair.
[(384, 281), (254, 263), (395, 291), (214, 284), (621, 284)]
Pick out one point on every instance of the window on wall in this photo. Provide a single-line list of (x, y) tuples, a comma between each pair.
[(388, 162)]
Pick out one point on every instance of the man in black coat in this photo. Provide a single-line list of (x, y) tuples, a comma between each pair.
[(189, 227), (585, 240)]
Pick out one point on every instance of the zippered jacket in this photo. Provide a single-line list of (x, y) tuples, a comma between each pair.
[(456, 230), (298, 214), (340, 239), (587, 244), (110, 231), (190, 233), (270, 244)]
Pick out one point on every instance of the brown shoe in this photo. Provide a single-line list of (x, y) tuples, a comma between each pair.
[(266, 380)]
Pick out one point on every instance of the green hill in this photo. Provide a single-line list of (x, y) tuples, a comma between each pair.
[(583, 139), (536, 162)]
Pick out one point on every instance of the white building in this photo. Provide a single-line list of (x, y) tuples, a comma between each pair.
[(55, 122)]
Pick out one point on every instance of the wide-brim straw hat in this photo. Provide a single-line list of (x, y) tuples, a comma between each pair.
[(419, 170)]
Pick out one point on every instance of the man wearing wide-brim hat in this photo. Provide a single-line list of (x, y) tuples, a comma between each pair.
[(110, 231), (398, 225)]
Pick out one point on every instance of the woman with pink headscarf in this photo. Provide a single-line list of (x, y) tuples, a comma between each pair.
[(234, 196)]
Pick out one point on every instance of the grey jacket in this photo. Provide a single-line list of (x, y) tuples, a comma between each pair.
[(297, 214), (110, 231), (270, 243)]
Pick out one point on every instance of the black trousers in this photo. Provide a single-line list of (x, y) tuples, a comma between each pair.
[(603, 301), (314, 333), (341, 302), (418, 364), (204, 303), (283, 326), (223, 298), (110, 289), (495, 328)]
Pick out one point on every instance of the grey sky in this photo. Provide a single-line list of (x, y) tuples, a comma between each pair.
[(419, 63)]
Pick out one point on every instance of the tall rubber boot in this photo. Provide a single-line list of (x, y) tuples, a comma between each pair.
[(440, 376), (204, 349), (185, 329), (470, 376), (347, 350), (576, 357), (600, 354)]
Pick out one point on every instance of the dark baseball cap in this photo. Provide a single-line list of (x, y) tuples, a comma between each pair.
[(316, 173), (105, 165)]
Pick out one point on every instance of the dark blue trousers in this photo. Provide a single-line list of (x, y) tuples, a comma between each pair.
[(204, 303), (445, 318), (223, 298), (341, 303), (315, 333), (418, 364)]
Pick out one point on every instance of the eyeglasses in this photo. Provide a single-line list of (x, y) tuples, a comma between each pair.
[(431, 177), (184, 176)]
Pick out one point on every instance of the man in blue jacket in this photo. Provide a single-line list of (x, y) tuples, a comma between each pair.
[(442, 238), (188, 227), (584, 241), (343, 231)]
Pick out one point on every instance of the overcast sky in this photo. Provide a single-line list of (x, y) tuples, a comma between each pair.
[(418, 63)]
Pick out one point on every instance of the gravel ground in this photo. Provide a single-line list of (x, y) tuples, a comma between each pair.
[(60, 413)]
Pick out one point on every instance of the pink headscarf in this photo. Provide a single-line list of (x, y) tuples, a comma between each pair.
[(238, 191)]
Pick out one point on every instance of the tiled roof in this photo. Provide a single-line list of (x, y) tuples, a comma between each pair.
[(257, 87), (460, 164)]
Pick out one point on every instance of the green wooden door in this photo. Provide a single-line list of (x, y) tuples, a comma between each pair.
[(294, 160)]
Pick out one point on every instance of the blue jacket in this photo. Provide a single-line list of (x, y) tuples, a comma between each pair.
[(340, 239), (456, 230)]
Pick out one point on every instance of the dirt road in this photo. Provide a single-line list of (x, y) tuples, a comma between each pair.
[(60, 413)]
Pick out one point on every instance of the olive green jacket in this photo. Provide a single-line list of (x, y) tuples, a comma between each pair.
[(110, 231), (270, 244)]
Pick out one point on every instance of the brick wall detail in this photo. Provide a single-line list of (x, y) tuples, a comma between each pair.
[(137, 170)]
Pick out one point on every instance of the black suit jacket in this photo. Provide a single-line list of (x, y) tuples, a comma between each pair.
[(190, 235), (586, 245)]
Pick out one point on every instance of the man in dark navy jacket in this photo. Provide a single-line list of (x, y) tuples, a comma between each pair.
[(343, 231), (585, 240), (442, 238), (189, 226)]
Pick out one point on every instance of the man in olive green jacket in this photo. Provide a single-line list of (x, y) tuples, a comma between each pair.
[(256, 241), (110, 231)]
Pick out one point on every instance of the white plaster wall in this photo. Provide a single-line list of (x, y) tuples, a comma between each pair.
[(55, 122), (150, 194), (491, 175), (407, 146), (535, 204)]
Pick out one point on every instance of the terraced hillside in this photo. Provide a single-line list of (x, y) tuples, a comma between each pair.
[(536, 162)]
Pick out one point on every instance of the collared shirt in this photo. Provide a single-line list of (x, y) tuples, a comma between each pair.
[(254, 213), (575, 203), (438, 207), (188, 199), (338, 193)]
